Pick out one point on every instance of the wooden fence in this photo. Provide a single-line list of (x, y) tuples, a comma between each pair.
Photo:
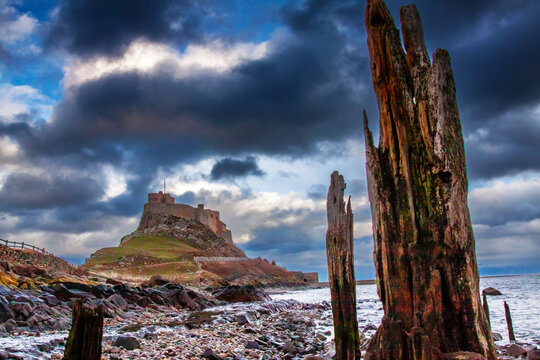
[(25, 246)]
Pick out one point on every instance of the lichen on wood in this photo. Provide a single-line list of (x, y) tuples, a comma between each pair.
[(424, 248), (339, 254)]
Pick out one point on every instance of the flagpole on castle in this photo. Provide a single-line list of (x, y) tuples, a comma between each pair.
[(164, 185)]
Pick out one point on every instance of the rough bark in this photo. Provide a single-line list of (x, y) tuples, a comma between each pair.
[(424, 253), (84, 340), (339, 252)]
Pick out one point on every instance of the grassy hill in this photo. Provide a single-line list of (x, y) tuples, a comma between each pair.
[(141, 257), (167, 247)]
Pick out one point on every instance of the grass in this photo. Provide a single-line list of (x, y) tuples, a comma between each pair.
[(144, 249)]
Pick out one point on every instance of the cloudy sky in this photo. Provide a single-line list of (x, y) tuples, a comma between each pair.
[(247, 107)]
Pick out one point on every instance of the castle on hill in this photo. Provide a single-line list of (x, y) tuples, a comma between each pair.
[(163, 204)]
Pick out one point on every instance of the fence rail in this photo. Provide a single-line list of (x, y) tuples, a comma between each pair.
[(26, 246)]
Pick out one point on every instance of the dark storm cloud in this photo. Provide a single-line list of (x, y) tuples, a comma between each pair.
[(24, 191), (231, 169), (493, 45), (102, 27), (281, 104), (509, 145), (505, 203)]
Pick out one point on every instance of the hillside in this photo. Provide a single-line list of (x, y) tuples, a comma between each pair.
[(169, 245), (51, 264)]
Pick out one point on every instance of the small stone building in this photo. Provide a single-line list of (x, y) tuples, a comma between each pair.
[(311, 277)]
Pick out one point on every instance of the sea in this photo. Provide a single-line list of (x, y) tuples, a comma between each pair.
[(521, 293)]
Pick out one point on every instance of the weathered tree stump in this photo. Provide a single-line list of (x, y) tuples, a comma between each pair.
[(84, 341), (340, 257), (511, 335), (427, 275)]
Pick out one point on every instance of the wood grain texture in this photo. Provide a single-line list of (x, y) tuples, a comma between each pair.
[(339, 254), (424, 248)]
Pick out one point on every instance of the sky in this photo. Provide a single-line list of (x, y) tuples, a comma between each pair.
[(248, 106)]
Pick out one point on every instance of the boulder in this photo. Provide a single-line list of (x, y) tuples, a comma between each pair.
[(496, 336), (64, 294), (210, 354), (244, 293), (516, 350), (117, 300), (242, 319), (127, 342), (156, 280), (113, 282), (533, 353), (491, 291), (289, 348), (28, 270), (252, 345)]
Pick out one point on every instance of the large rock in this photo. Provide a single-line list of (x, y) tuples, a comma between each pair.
[(117, 300), (516, 350), (156, 280), (244, 293), (127, 342), (210, 354), (491, 291)]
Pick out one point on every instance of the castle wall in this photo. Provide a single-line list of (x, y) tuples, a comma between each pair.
[(159, 203), (160, 198)]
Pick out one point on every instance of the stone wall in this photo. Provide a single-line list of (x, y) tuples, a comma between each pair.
[(311, 277)]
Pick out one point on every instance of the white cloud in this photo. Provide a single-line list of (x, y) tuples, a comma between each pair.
[(145, 57), (18, 99), (14, 26), (9, 150), (72, 244), (116, 182)]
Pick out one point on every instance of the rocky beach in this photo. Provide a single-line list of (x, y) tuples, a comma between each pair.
[(162, 320)]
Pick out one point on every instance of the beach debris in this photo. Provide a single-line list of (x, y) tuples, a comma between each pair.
[(424, 247), (339, 255)]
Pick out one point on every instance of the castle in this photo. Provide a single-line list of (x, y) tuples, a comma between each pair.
[(163, 204)]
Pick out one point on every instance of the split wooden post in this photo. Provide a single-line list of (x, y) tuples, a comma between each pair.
[(84, 341), (509, 322), (486, 306), (339, 253)]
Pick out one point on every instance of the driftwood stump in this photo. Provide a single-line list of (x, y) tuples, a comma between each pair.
[(424, 248), (339, 253), (511, 335), (84, 341), (486, 306)]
